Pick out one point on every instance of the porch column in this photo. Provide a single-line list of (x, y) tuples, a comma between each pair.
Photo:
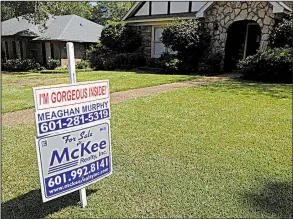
[(24, 48), (48, 50), (10, 50), (18, 53)]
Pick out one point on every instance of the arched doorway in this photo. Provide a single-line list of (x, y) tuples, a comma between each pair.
[(243, 39)]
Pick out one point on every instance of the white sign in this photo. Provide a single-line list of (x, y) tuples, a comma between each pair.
[(63, 107), (70, 161), (49, 97)]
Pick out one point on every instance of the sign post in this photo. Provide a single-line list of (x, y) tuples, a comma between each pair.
[(73, 140), (72, 77)]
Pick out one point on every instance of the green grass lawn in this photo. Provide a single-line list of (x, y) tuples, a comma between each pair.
[(215, 151), (18, 86)]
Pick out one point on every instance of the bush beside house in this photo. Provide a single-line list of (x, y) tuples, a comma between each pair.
[(118, 48), (188, 39), (274, 64)]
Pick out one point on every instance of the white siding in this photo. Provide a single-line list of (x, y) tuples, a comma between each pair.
[(178, 7), (159, 8), (196, 6), (144, 10)]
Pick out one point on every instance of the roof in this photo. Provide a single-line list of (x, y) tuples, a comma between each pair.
[(60, 28), (279, 7), (21, 26), (289, 4), (72, 28)]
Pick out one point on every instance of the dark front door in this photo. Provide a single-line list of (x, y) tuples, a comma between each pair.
[(242, 40)]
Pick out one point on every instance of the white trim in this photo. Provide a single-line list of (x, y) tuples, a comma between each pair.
[(135, 6), (200, 13), (246, 38), (158, 19), (282, 5), (153, 41), (277, 8)]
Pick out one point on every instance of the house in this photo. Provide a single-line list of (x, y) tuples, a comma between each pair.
[(22, 39), (238, 29)]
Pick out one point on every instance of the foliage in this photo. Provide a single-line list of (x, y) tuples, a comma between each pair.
[(170, 63), (104, 12), (189, 39), (19, 65), (83, 64), (283, 33), (39, 11), (210, 64), (272, 65), (52, 64), (120, 38), (125, 61)]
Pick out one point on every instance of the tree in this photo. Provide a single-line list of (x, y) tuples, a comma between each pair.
[(282, 34), (118, 37), (189, 39), (104, 12), (38, 11)]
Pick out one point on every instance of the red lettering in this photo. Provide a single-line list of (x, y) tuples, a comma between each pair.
[(63, 96), (73, 94), (53, 97)]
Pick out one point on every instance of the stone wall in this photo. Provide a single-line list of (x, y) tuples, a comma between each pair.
[(222, 14), (146, 33)]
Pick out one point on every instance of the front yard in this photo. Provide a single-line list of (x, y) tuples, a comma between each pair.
[(215, 151), (18, 86)]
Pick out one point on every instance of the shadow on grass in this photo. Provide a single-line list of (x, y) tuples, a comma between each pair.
[(248, 87), (30, 205), (274, 198)]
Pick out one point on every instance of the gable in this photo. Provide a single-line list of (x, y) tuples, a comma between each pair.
[(166, 10), (163, 8)]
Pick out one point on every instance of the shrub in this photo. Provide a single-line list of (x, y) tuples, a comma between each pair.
[(189, 39), (272, 65), (20, 65), (282, 33), (123, 61), (52, 64), (120, 38), (83, 64), (210, 64), (129, 60), (96, 54)]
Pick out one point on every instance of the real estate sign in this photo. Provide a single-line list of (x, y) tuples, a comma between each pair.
[(72, 160), (62, 107), (73, 136)]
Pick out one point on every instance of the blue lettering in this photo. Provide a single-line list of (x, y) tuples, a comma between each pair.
[(73, 152), (59, 158), (84, 148), (103, 145)]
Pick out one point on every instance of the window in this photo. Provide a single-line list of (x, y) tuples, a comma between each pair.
[(159, 8), (179, 7), (158, 47)]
